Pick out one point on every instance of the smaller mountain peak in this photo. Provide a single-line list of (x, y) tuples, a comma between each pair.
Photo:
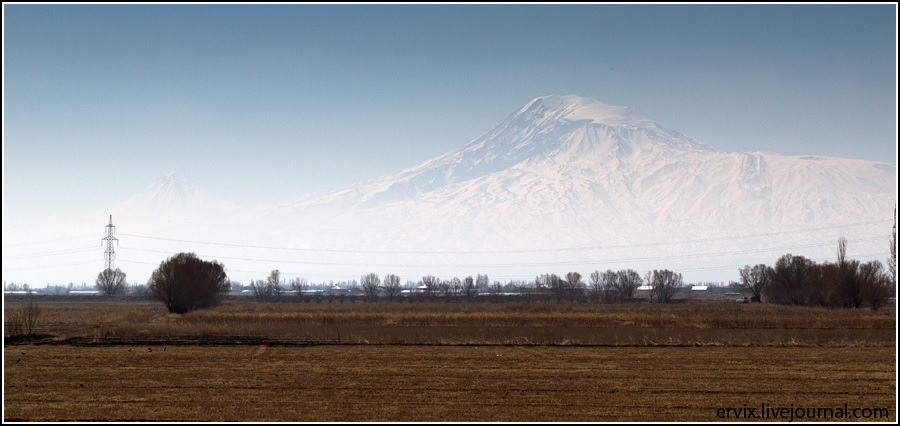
[(173, 176), (576, 108)]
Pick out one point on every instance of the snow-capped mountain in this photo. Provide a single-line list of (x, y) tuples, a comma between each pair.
[(563, 184), (175, 197), (572, 161), (570, 182)]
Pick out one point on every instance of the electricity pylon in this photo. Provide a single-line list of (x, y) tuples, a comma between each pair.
[(110, 254)]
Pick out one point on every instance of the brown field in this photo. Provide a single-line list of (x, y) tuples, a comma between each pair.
[(124, 360)]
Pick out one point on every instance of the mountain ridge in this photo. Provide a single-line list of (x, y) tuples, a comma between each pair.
[(608, 179)]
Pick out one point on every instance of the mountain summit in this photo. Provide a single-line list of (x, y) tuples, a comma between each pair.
[(572, 171), (174, 197), (563, 183)]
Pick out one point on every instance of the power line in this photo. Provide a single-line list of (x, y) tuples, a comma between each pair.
[(498, 265), (475, 226), (74, 237), (83, 262), (512, 251), (350, 276), (52, 253)]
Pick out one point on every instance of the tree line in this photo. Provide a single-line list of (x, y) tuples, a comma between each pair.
[(184, 283), (796, 280)]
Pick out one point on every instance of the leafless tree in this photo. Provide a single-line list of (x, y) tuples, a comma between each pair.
[(22, 321), (558, 286), (791, 281), (262, 291), (184, 283), (110, 282), (755, 279), (542, 283), (30, 314), (470, 290), (875, 283), (300, 285), (595, 287), (482, 283), (574, 285), (892, 262), (627, 282), (609, 286), (431, 284), (451, 287), (843, 279), (392, 286), (665, 284), (274, 281), (370, 283), (268, 289)]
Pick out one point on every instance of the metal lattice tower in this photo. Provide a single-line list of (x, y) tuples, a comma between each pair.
[(110, 254)]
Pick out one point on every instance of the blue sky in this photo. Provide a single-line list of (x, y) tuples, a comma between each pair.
[(260, 104)]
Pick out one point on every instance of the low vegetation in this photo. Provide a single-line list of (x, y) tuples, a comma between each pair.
[(693, 323), (437, 384), (124, 359)]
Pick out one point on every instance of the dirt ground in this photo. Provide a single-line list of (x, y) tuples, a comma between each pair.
[(409, 383)]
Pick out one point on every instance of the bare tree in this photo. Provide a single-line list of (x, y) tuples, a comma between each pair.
[(755, 279), (574, 285), (558, 286), (274, 281), (392, 286), (110, 282), (300, 285), (470, 290), (542, 283), (482, 283), (267, 290), (892, 262), (875, 283), (261, 290), (665, 284), (791, 280), (595, 287), (451, 287), (185, 283), (627, 282), (846, 288), (370, 283), (431, 284), (609, 284), (22, 321)]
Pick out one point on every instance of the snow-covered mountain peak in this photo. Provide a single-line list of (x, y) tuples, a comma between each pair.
[(174, 196), (174, 185), (577, 108)]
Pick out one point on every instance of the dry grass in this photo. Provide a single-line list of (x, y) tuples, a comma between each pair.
[(433, 383), (697, 323), (121, 360)]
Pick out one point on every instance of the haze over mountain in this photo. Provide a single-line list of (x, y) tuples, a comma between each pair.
[(565, 183)]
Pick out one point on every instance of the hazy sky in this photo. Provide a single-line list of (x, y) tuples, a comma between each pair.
[(260, 104)]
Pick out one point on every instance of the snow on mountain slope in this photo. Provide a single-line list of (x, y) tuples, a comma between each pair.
[(578, 159), (565, 171), (563, 184), (174, 196)]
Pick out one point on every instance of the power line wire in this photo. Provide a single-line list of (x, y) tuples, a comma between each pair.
[(498, 265), (511, 251)]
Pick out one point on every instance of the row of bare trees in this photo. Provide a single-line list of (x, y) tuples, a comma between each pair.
[(603, 287), (611, 286), (796, 280)]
